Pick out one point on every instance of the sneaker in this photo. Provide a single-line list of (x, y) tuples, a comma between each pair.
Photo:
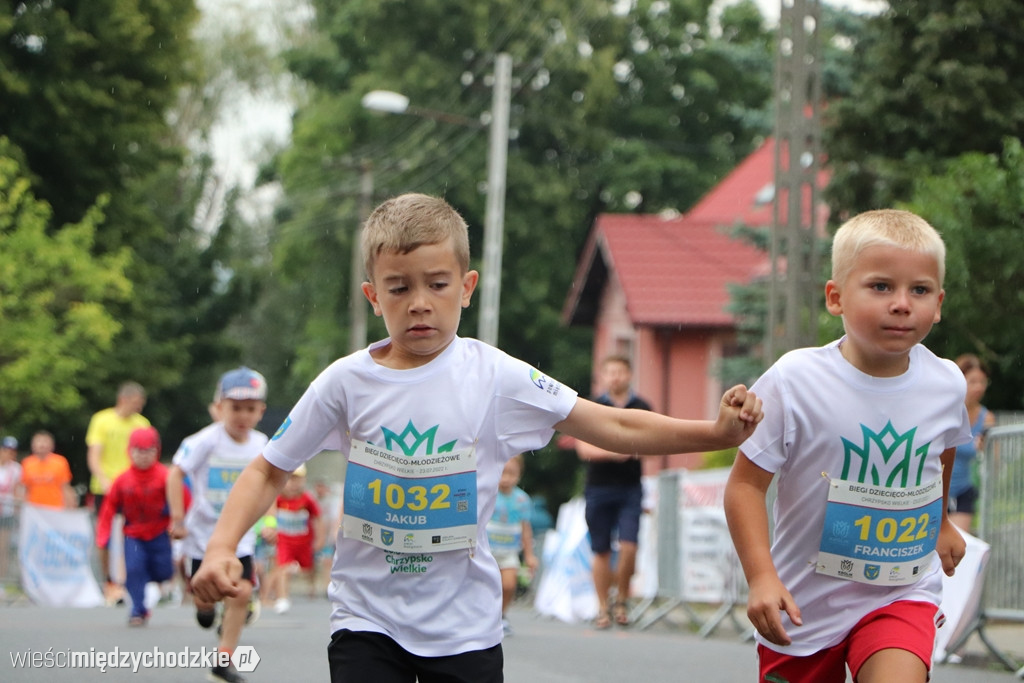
[(205, 617), (137, 620), (506, 627), (282, 605), (219, 674), (253, 615)]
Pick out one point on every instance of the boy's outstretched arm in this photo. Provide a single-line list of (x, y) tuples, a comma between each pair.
[(747, 515), (950, 546), (643, 432), (251, 495)]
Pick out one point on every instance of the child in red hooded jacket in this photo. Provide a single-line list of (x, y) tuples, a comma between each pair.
[(140, 495)]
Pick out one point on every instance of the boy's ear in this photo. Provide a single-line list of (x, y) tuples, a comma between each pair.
[(938, 308), (370, 292), (833, 298), (469, 281)]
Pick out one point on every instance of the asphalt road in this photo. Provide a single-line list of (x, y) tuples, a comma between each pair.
[(292, 647)]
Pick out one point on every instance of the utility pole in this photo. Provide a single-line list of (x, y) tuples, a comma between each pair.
[(356, 301), (497, 169), (797, 160), (494, 219)]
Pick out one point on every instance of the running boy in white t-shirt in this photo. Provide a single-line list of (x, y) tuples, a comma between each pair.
[(428, 420), (860, 436), (212, 459)]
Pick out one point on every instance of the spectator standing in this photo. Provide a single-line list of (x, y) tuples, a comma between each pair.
[(963, 493), (614, 495), (46, 476), (10, 478), (107, 456), (140, 495)]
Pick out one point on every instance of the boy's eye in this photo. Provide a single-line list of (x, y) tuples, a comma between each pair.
[(398, 289), (880, 286), (920, 290), (438, 285)]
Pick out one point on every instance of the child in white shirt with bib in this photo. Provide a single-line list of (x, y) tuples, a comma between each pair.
[(860, 437), (428, 420)]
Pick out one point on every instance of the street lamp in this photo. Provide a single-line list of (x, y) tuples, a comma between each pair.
[(497, 162)]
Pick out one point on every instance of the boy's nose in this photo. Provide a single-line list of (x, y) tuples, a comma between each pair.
[(419, 301), (900, 301)]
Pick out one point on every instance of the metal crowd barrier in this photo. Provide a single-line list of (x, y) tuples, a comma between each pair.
[(697, 564), (1001, 525)]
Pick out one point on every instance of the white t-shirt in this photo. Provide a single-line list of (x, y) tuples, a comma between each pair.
[(822, 415), (213, 460), (470, 396)]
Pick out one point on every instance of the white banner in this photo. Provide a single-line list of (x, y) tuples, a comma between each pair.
[(54, 550), (708, 562)]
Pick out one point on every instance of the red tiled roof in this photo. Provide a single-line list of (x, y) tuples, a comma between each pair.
[(676, 271), (745, 195)]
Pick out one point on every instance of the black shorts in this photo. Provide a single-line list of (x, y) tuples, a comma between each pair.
[(360, 656), (613, 511), (966, 502), (246, 561)]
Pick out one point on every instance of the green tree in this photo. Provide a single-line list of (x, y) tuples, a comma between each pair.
[(935, 79), (977, 202), (84, 90), (612, 111), (54, 302), (115, 99)]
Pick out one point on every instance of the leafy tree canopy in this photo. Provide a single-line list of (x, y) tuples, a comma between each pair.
[(936, 79), (613, 109), (55, 299), (977, 202)]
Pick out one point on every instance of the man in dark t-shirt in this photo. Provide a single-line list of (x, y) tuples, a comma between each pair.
[(613, 496)]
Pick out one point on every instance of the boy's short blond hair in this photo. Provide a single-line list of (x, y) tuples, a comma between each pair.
[(403, 223), (888, 227)]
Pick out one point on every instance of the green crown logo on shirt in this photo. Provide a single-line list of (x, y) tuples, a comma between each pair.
[(898, 454), (393, 441)]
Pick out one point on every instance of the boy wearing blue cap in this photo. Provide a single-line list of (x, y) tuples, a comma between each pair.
[(212, 459)]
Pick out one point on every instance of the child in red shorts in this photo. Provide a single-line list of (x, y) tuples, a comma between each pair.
[(300, 535), (860, 436)]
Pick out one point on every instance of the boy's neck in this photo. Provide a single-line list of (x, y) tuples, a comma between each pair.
[(888, 367), (388, 356)]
